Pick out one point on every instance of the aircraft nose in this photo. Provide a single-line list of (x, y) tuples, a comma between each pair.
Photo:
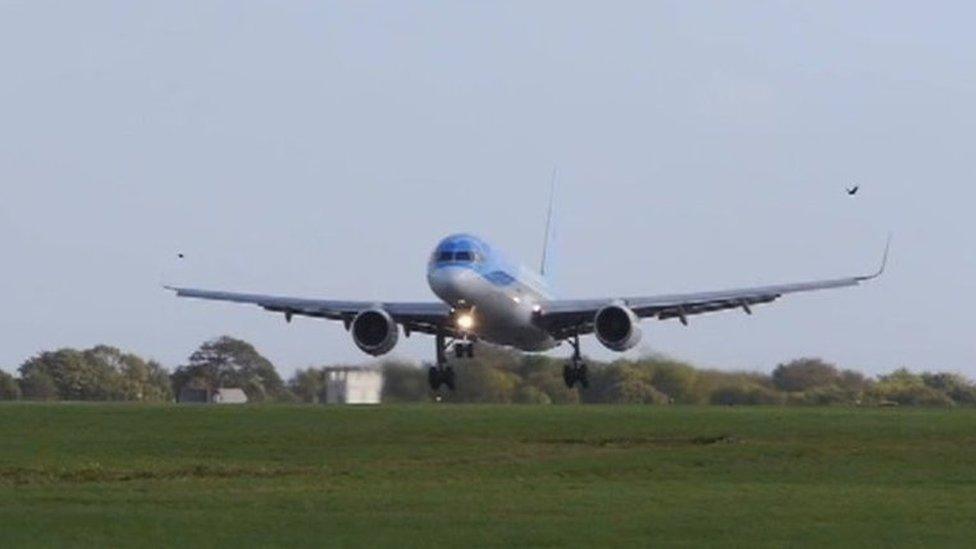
[(448, 283)]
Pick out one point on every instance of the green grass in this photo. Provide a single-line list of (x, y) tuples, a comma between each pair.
[(124, 475)]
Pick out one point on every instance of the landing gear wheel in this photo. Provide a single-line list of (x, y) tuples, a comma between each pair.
[(437, 376), (448, 377), (442, 374), (569, 375), (581, 376), (434, 378), (463, 349)]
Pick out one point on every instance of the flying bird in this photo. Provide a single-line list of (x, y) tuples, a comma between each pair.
[(180, 255), (853, 190)]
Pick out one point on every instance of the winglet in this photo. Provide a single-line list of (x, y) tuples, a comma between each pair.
[(884, 262)]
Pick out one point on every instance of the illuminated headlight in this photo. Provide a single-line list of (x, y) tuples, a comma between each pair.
[(465, 321)]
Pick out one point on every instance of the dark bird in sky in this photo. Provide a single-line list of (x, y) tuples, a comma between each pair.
[(180, 255), (853, 190)]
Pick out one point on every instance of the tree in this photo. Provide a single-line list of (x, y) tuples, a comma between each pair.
[(9, 389), (853, 381), (37, 385), (404, 383), (230, 362), (136, 378), (805, 373), (74, 375), (955, 386), (308, 385), (99, 373)]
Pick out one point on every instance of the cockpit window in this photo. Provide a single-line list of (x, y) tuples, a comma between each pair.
[(445, 256), (462, 256)]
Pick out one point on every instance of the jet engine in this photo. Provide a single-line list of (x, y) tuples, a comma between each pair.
[(374, 331), (616, 326)]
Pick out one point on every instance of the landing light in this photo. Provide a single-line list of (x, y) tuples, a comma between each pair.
[(465, 321)]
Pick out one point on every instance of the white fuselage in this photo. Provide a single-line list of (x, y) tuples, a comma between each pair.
[(501, 298)]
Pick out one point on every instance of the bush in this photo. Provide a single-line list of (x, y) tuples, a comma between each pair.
[(955, 386), (479, 382), (404, 383), (623, 383), (9, 389), (527, 394), (825, 396), (546, 375), (738, 395), (910, 395), (675, 380), (551, 383), (907, 389)]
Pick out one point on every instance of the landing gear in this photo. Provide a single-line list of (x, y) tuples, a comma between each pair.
[(442, 374), (576, 371), (463, 349)]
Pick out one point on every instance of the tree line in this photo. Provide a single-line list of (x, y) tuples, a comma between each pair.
[(496, 375)]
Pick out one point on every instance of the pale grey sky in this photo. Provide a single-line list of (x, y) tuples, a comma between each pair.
[(322, 149)]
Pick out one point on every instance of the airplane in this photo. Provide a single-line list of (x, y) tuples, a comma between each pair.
[(483, 296)]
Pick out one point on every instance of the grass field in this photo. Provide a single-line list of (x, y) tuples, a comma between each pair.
[(119, 475)]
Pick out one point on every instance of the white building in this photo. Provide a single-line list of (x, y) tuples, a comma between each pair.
[(190, 395), (229, 396), (353, 385)]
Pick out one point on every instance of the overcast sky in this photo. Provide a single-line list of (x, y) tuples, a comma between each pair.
[(321, 149)]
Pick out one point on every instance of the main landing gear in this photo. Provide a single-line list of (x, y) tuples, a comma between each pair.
[(575, 372), (442, 374)]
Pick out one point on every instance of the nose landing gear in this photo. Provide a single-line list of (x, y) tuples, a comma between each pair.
[(576, 371), (463, 349)]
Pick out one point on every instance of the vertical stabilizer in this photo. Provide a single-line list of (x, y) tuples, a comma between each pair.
[(547, 240)]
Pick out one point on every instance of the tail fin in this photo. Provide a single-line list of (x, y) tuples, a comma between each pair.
[(547, 239)]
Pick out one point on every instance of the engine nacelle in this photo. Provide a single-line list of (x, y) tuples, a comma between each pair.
[(374, 331), (617, 327)]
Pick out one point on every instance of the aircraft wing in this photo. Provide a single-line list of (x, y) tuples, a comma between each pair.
[(423, 317), (563, 318)]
